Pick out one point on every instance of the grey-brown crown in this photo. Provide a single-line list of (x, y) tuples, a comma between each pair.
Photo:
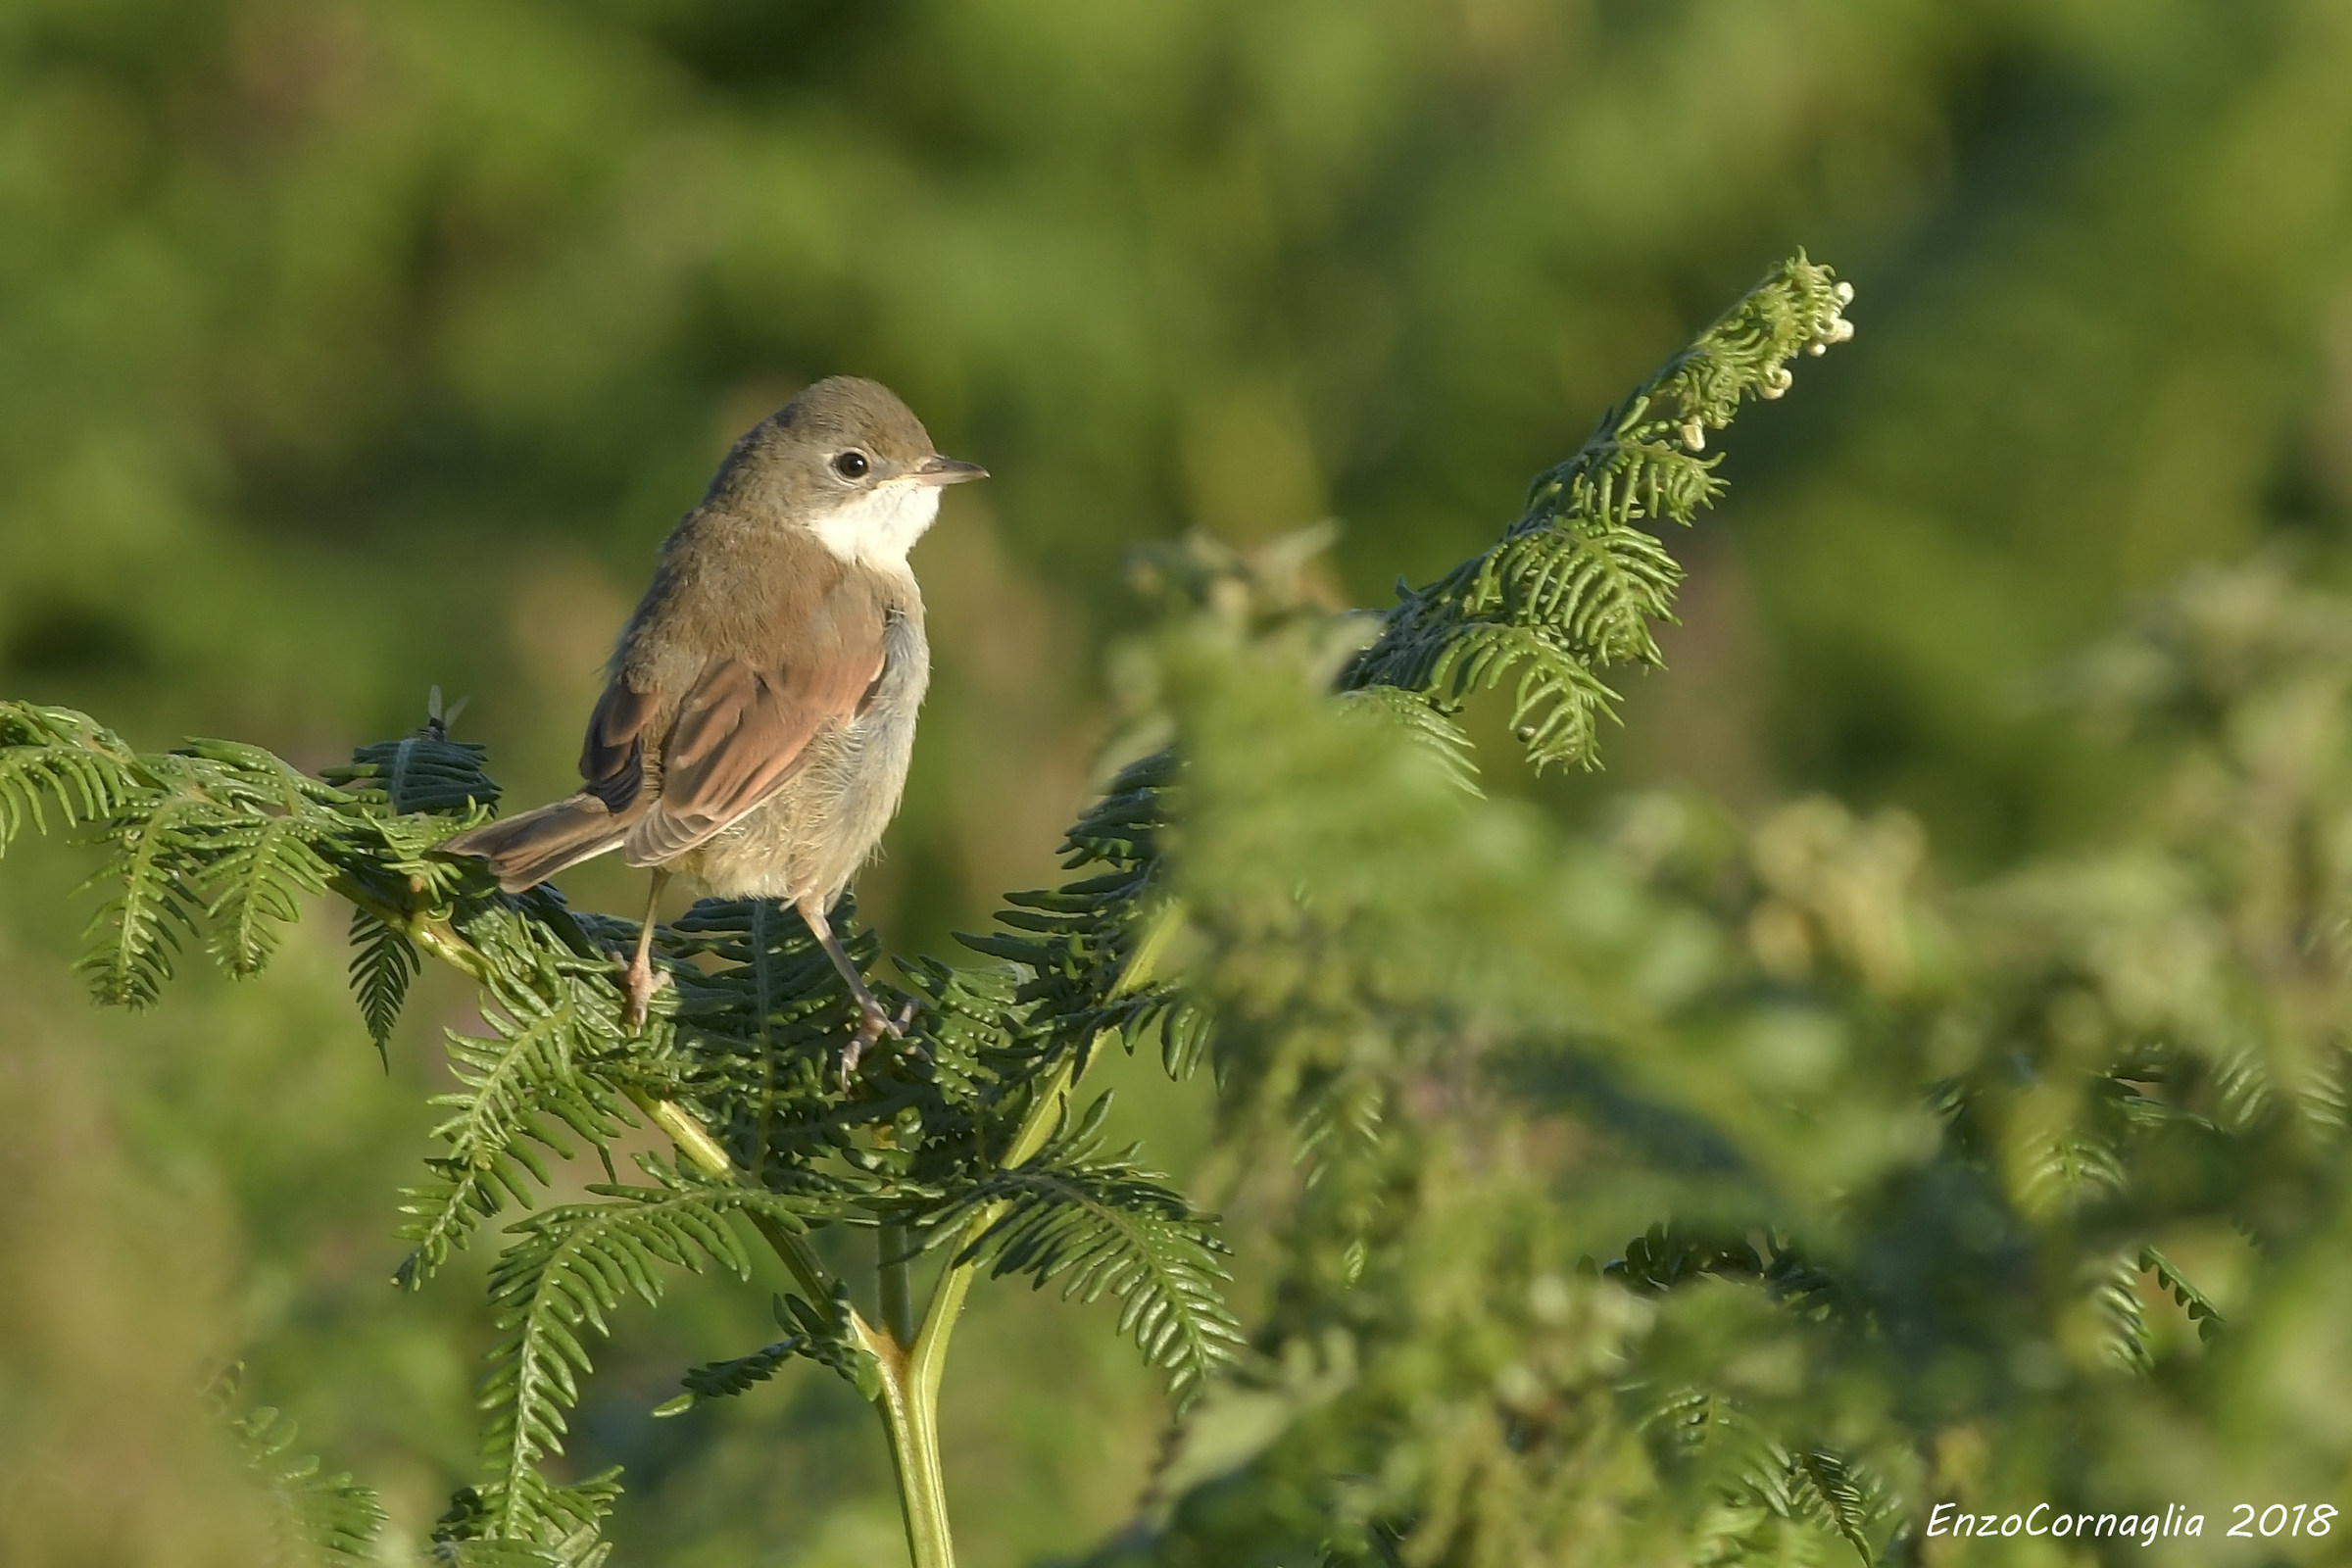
[(835, 441)]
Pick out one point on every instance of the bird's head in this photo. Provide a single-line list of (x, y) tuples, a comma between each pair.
[(850, 462)]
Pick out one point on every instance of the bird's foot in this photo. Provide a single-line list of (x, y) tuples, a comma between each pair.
[(872, 1024), (639, 979)]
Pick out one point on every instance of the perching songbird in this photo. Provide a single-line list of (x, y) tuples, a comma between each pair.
[(759, 710)]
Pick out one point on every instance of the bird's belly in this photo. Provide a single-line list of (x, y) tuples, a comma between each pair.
[(810, 837)]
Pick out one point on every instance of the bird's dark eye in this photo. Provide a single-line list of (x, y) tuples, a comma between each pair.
[(851, 465)]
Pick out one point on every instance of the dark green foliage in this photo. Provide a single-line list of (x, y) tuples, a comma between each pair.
[(1077, 948), (758, 1030), (1678, 1190), (427, 771), (1112, 1227), (820, 1334), (356, 342), (222, 839), (61, 759), (217, 837), (320, 1519), (553, 1022), (1574, 586), (568, 1267), (723, 1380), (1932, 1158), (384, 961), (573, 1520), (2201, 1311)]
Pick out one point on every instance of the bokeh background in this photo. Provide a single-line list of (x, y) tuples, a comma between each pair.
[(351, 348)]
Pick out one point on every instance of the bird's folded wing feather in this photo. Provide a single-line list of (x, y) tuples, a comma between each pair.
[(612, 757), (739, 734)]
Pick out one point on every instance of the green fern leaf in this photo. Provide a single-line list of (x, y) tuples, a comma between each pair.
[(136, 933), (569, 1267), (551, 1027), (1110, 1227), (1574, 587), (2115, 1296), (425, 771), (319, 1517), (820, 1333), (1430, 727), (1083, 952), (57, 756), (761, 1029), (1830, 1491), (384, 963), (2200, 1308), (721, 1380), (259, 868)]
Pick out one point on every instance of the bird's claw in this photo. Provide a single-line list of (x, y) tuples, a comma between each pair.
[(639, 982), (872, 1024)]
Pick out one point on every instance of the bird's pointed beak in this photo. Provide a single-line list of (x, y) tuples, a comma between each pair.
[(936, 469)]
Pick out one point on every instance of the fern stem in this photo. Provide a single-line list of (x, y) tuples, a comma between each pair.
[(694, 1141), (928, 1352), (893, 1271), (915, 1364), (432, 936), (909, 1409)]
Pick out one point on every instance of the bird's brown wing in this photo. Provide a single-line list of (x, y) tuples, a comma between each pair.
[(612, 757), (744, 729)]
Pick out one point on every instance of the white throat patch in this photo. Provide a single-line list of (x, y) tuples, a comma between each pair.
[(879, 527)]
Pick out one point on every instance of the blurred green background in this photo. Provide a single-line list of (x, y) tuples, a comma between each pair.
[(347, 349)]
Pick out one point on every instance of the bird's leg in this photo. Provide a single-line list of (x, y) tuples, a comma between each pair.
[(872, 1022), (639, 978)]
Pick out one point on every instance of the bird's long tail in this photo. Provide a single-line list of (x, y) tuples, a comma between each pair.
[(526, 850)]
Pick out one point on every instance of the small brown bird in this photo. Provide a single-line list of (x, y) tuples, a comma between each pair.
[(759, 712)]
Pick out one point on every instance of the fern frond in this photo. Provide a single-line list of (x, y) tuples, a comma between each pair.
[(2200, 1308), (383, 961), (576, 1515), (135, 935), (760, 1030), (1829, 1490), (1428, 724), (1775, 1499), (1111, 1226), (1599, 587), (216, 834), (550, 1028), (456, 1552), (567, 1268), (1083, 952), (820, 1334), (1575, 586), (2072, 1169), (723, 1380), (329, 1518), (259, 865), (424, 772), (57, 756), (2115, 1296)]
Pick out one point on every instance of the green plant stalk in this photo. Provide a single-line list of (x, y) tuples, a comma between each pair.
[(910, 1363), (911, 1378), (913, 1365), (910, 1411), (894, 1271)]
